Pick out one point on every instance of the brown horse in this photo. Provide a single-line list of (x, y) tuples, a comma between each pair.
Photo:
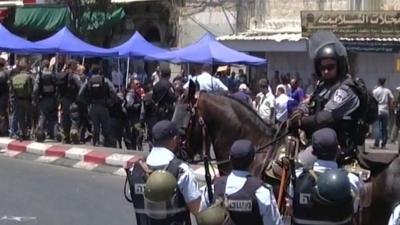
[(226, 120)]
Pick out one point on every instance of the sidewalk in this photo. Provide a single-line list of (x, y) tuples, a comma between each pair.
[(102, 159)]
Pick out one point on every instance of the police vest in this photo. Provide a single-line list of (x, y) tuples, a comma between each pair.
[(177, 214), (47, 84), (3, 83), (242, 206), (308, 210), (97, 88), (65, 87)]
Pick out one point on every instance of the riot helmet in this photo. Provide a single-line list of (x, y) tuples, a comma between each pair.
[(333, 187), (214, 215), (160, 186), (325, 45)]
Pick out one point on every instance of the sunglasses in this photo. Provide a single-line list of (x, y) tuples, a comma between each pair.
[(328, 67)]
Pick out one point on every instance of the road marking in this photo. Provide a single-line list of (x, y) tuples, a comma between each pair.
[(85, 165), (47, 159), (18, 218), (77, 153), (37, 148)]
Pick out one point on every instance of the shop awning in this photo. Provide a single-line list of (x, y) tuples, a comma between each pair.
[(53, 18)]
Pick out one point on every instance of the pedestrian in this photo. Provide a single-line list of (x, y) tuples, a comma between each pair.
[(99, 93), (249, 200), (324, 194), (297, 96), (21, 90), (173, 193), (206, 82), (336, 102), (44, 95), (243, 94), (164, 94), (384, 97), (117, 77), (68, 84), (265, 102), (281, 105), (178, 86)]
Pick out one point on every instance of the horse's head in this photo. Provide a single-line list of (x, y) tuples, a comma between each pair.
[(186, 120)]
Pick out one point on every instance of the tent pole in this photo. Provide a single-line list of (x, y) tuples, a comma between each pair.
[(119, 71), (127, 73), (56, 69), (83, 61)]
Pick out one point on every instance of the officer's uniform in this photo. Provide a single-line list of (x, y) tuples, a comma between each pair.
[(306, 210), (250, 200), (164, 98), (161, 158), (4, 95), (134, 106), (99, 93), (395, 216), (208, 83), (68, 85), (22, 103), (44, 93)]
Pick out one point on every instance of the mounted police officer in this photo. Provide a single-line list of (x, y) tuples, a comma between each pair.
[(21, 97), (44, 94), (339, 101), (170, 193), (99, 93), (4, 95), (68, 85), (249, 200), (325, 194), (164, 95)]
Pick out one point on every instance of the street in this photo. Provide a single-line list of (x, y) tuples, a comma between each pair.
[(36, 193)]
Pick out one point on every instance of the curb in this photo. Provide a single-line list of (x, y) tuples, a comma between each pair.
[(87, 158)]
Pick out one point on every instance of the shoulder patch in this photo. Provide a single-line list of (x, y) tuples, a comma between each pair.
[(340, 95)]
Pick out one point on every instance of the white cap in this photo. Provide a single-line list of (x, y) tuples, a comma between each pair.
[(243, 87)]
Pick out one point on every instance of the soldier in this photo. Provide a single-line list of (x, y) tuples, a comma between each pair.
[(250, 200), (99, 93), (21, 89), (171, 191), (325, 194), (68, 85), (44, 94), (4, 95)]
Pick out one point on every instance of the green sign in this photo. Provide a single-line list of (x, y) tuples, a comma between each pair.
[(377, 24)]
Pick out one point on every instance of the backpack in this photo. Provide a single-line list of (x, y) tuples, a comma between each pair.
[(22, 85), (97, 87), (367, 112)]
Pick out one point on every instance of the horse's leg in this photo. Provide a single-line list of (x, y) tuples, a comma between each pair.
[(221, 150)]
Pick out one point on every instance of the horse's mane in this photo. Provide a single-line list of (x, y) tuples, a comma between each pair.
[(252, 113)]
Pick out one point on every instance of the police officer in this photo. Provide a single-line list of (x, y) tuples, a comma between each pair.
[(163, 94), (134, 107), (325, 194), (334, 104), (173, 193), (99, 93), (4, 95), (21, 96), (44, 94), (250, 201), (68, 85)]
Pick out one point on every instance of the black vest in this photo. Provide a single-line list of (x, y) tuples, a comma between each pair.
[(47, 84), (137, 184), (308, 210), (65, 86), (97, 89), (3, 83), (242, 206)]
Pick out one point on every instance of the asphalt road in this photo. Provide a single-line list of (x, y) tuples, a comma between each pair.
[(34, 193)]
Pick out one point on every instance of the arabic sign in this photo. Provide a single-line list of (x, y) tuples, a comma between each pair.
[(371, 46), (378, 24)]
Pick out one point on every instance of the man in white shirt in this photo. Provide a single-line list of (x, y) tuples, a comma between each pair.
[(265, 102), (384, 97), (281, 101), (207, 82), (117, 77)]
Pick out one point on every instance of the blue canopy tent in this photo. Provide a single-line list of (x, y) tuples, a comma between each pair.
[(12, 43), (137, 47), (208, 51), (65, 42)]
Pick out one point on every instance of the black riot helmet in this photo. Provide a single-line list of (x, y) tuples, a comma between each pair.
[(333, 187), (325, 45)]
